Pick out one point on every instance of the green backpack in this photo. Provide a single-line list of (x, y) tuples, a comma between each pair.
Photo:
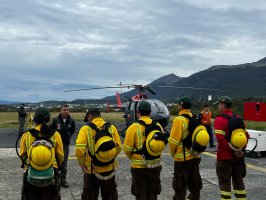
[(40, 178), (41, 157)]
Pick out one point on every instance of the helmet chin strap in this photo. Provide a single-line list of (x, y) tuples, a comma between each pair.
[(233, 148)]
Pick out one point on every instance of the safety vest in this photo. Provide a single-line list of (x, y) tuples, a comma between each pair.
[(206, 117)]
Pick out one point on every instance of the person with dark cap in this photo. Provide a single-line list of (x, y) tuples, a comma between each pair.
[(65, 125), (30, 159), (146, 182), (97, 164), (186, 167), (230, 161), (205, 119), (22, 115)]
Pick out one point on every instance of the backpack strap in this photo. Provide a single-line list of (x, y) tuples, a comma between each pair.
[(139, 136), (186, 116), (227, 137), (225, 115), (142, 123), (90, 138), (187, 125), (106, 126), (35, 133), (183, 145), (153, 123), (93, 126)]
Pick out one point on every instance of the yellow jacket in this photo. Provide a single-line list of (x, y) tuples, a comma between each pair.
[(27, 139), (178, 132), (85, 142), (134, 140)]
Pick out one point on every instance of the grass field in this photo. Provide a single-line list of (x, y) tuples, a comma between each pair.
[(10, 119)]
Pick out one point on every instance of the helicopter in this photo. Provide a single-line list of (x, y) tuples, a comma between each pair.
[(159, 111)]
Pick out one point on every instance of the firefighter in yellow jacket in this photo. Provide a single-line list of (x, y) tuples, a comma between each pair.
[(186, 168), (38, 160), (146, 183), (96, 156)]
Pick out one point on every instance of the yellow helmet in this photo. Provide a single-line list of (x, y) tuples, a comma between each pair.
[(154, 147), (239, 138), (105, 149), (41, 157), (201, 136)]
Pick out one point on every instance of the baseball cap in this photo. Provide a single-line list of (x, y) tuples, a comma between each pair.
[(144, 106), (41, 115), (185, 102), (224, 99), (93, 111)]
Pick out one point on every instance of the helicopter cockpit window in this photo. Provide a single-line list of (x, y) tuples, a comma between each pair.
[(159, 112), (160, 107)]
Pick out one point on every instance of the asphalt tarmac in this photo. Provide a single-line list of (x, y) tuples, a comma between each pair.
[(11, 173)]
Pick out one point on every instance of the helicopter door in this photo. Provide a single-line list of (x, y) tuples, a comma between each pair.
[(130, 113)]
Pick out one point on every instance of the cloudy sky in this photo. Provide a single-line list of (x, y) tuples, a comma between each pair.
[(48, 46)]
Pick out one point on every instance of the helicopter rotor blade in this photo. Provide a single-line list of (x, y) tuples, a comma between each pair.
[(141, 88), (126, 85), (96, 88), (150, 90), (194, 88)]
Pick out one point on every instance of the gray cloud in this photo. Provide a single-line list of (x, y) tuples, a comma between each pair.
[(49, 46)]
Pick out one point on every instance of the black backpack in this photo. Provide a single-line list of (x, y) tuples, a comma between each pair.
[(234, 122), (188, 142), (106, 146), (149, 128)]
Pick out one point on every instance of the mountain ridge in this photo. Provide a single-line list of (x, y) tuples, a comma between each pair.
[(259, 63), (239, 81)]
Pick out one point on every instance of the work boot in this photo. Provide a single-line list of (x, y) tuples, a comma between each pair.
[(64, 184)]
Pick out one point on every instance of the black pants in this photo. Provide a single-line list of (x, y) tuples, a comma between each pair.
[(231, 170), (63, 173), (146, 183), (209, 130), (187, 176), (92, 185), (31, 192)]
